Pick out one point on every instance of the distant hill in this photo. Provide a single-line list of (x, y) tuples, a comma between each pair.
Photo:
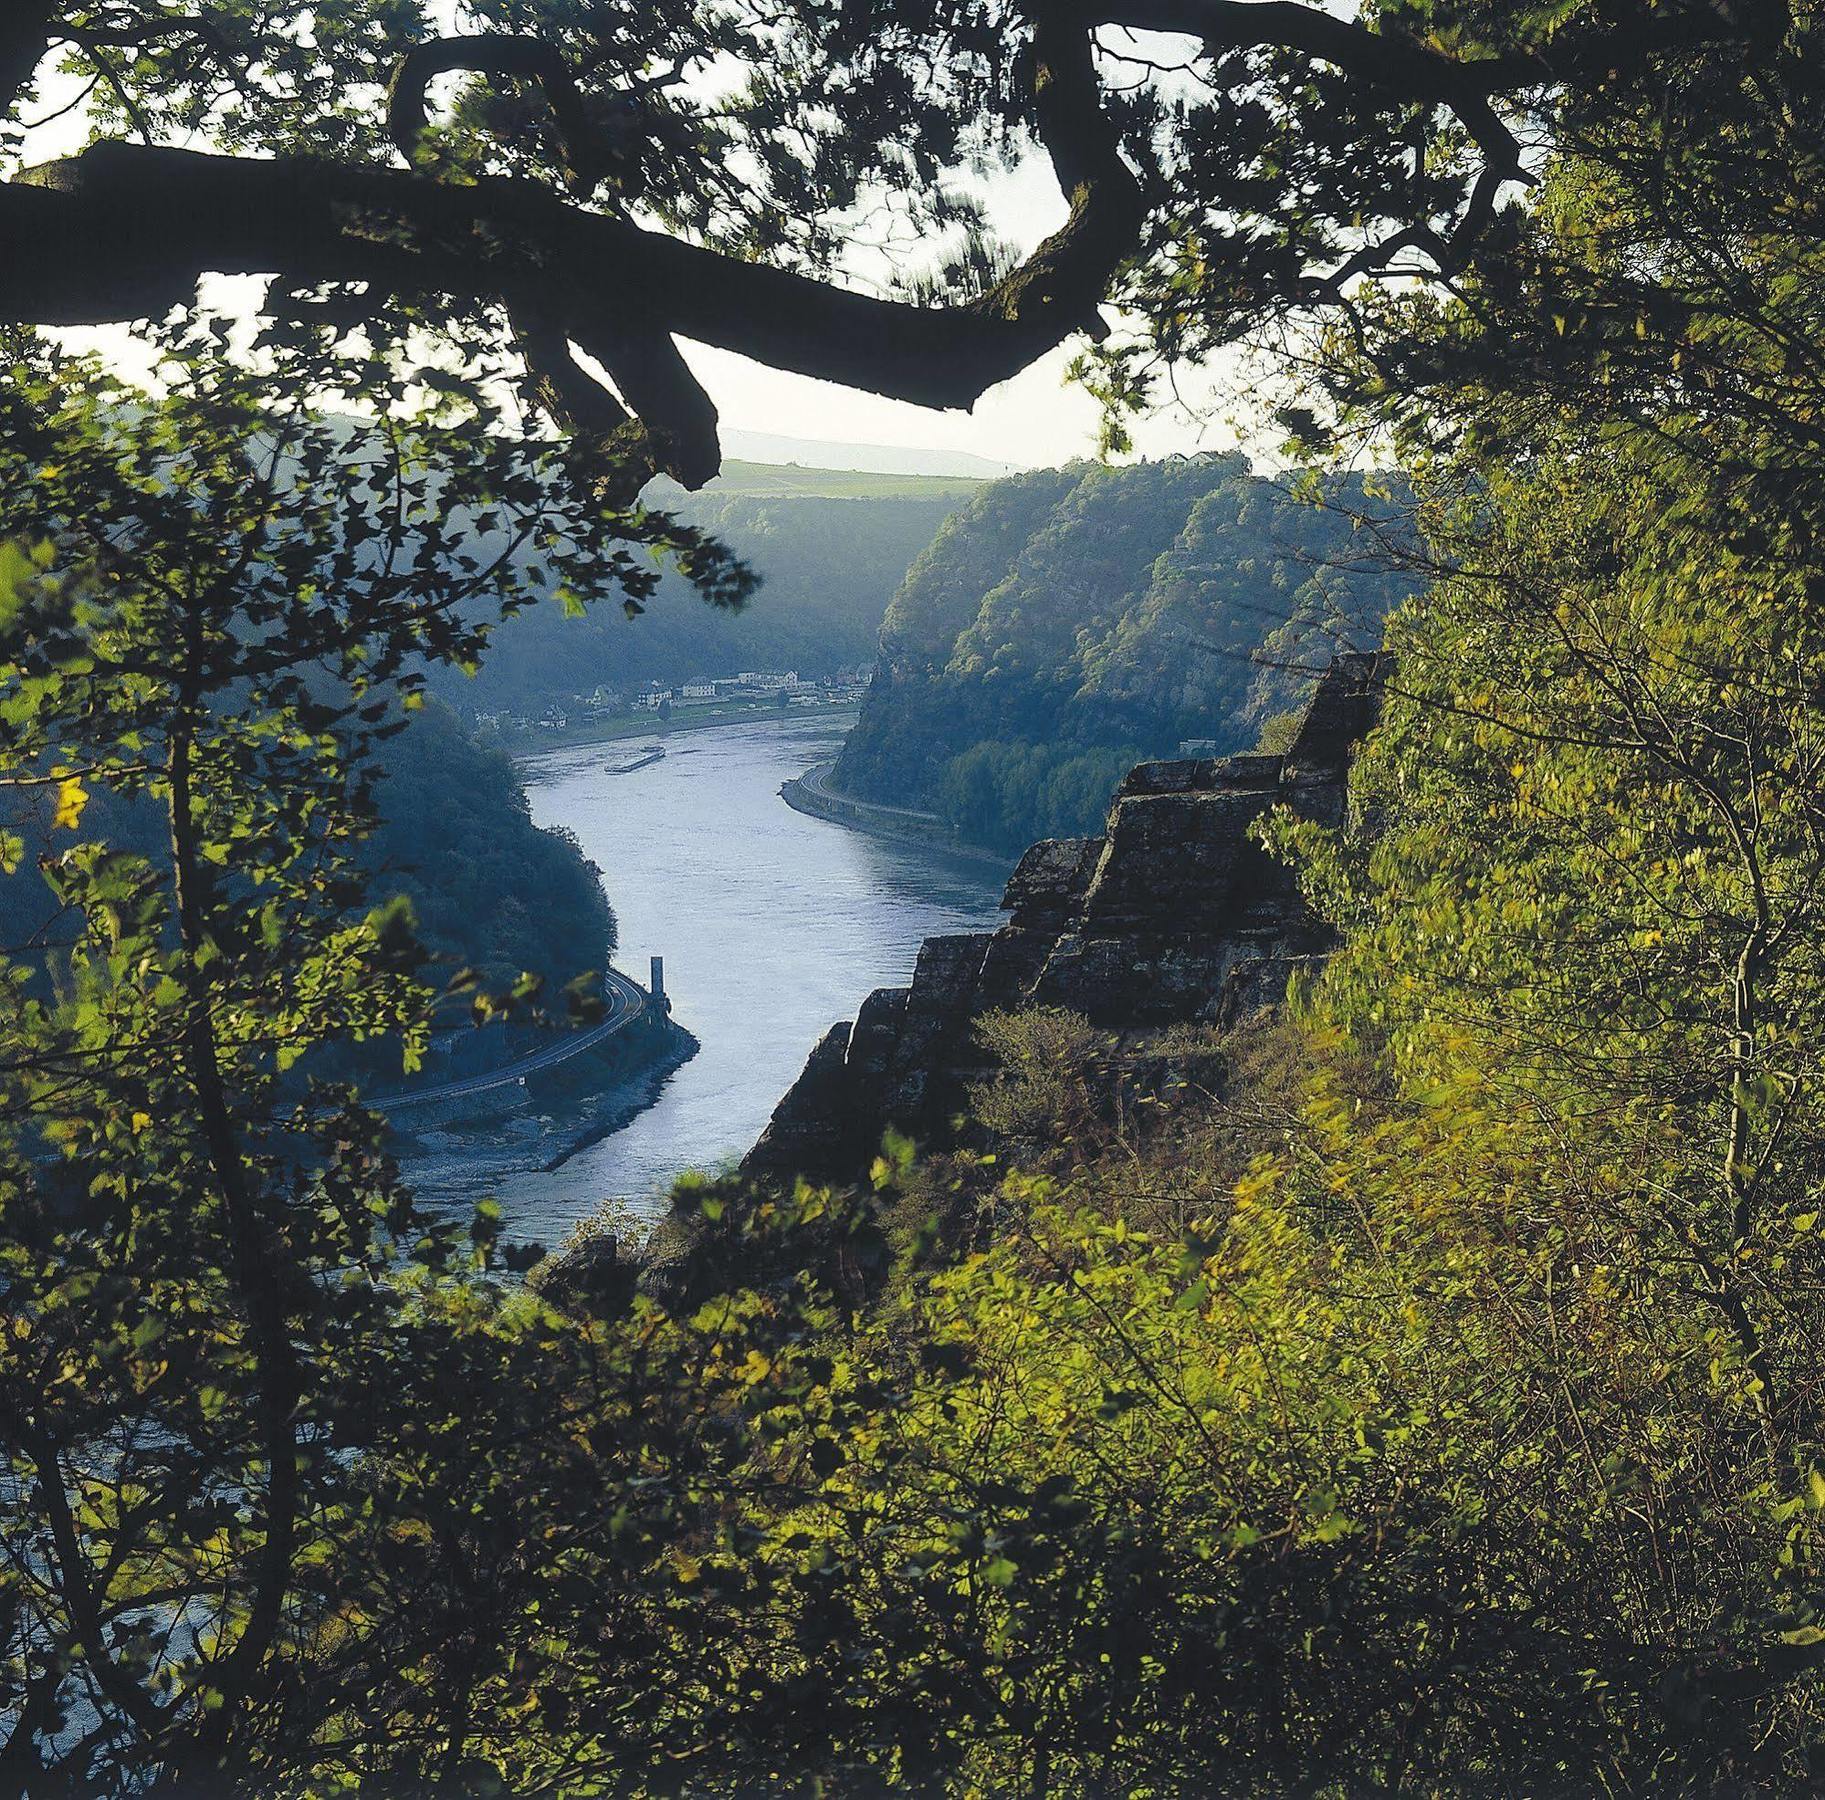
[(1069, 622), (778, 480), (831, 546), (887, 459)]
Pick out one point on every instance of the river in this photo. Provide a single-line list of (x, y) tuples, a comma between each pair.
[(772, 926)]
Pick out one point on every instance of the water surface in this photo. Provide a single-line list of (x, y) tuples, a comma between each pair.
[(772, 926)]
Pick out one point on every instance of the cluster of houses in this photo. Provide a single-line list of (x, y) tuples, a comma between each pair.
[(759, 684), (781, 687)]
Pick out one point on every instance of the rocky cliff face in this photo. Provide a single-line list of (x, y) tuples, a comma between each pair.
[(1174, 915)]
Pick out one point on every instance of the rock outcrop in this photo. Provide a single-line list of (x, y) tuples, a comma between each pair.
[(1174, 915)]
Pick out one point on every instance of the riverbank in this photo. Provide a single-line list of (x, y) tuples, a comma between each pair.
[(568, 1073), (770, 924), (617, 1107), (811, 794), (524, 746), (511, 1138)]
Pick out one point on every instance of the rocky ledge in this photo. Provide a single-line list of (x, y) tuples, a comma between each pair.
[(1173, 915)]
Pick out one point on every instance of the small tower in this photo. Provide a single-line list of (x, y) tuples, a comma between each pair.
[(656, 984)]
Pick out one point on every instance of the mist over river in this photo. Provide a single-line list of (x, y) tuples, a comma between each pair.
[(773, 925)]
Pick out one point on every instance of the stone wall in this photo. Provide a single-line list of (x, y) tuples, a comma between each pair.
[(811, 793), (1174, 915)]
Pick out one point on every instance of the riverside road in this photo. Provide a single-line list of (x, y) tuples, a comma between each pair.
[(625, 1001)]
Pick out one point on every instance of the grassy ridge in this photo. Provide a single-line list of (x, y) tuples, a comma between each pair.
[(778, 481)]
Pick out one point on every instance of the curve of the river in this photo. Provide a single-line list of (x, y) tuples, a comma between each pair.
[(772, 925)]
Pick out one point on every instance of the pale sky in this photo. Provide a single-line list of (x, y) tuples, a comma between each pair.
[(1034, 419)]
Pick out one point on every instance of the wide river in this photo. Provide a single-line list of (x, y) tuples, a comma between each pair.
[(772, 925)]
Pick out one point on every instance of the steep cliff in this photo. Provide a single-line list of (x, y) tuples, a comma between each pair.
[(1173, 916)]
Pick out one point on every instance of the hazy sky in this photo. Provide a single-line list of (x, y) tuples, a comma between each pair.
[(1034, 419)]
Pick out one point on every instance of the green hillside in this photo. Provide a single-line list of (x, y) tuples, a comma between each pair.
[(1069, 622), (830, 547)]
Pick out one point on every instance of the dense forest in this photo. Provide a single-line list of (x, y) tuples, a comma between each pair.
[(488, 889), (829, 549), (452, 837), (1069, 622), (1411, 1386)]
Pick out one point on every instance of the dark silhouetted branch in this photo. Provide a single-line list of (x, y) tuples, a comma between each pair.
[(124, 232), (1402, 67), (25, 33), (500, 54)]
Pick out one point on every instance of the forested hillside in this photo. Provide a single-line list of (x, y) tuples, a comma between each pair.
[(1068, 622), (829, 547), (488, 888)]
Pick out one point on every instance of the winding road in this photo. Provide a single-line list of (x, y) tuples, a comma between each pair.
[(626, 1001), (810, 792), (816, 782)]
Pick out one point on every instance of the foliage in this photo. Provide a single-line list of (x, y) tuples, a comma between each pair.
[(1006, 795), (1581, 938), (1278, 733), (217, 1293), (1044, 1055), (1579, 898)]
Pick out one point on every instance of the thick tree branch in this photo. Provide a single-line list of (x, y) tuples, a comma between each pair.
[(657, 383), (1070, 270), (567, 393), (634, 344), (495, 53), (25, 32), (677, 419), (123, 232), (1418, 69)]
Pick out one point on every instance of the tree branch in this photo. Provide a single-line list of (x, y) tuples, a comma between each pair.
[(567, 393), (1382, 59), (495, 53), (123, 232), (1070, 270), (657, 383), (120, 232), (676, 430)]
